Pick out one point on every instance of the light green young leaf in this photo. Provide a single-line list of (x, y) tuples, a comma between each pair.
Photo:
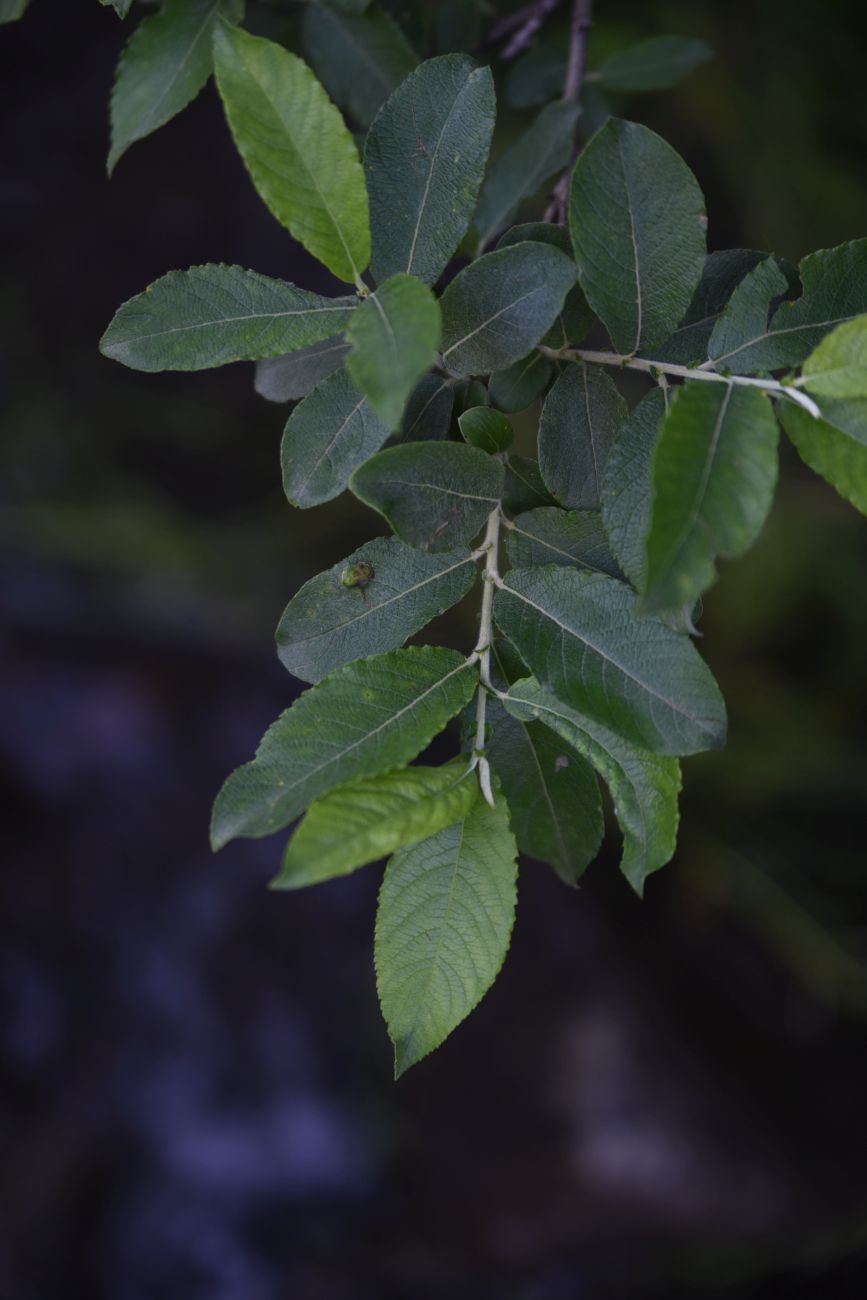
[(435, 496), (290, 377), (521, 384), (445, 916), (296, 147), (580, 635), (657, 64), (428, 413), (636, 215), (12, 10), (580, 418), (714, 472), (550, 535), (523, 487), (394, 335), (838, 366), (165, 64), (360, 58), (644, 786), (834, 284), (746, 314), (330, 433), (369, 819), (626, 490), (211, 315), (723, 272), (551, 791), (543, 151), (482, 426), (835, 446), (367, 604), (424, 161), (500, 306), (366, 718)]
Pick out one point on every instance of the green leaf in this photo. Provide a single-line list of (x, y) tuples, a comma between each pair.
[(536, 76), (330, 433), (428, 413), (835, 446), (12, 10), (522, 383), (714, 474), (121, 7), (457, 25), (626, 490), (424, 161), (296, 147), (369, 819), (644, 786), (636, 215), (394, 335), (360, 58), (834, 290), (500, 306), (434, 495), (723, 271), (165, 64), (367, 604), (484, 427), (521, 170), (524, 488), (838, 366), (657, 64), (579, 634), (551, 791), (287, 378), (550, 535), (745, 316), (445, 916), (576, 317), (580, 418), (366, 718), (211, 315)]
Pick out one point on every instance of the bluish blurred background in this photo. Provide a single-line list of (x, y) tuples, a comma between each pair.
[(657, 1100)]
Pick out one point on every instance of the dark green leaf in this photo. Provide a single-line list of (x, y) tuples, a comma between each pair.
[(165, 64), (211, 315), (326, 437), (550, 535), (394, 335), (501, 305), (367, 604), (580, 418), (296, 147), (636, 216), (524, 488), (457, 25), (369, 819), (486, 428), (519, 385), (360, 58), (445, 915), (435, 496), (536, 77), (579, 633), (521, 170), (714, 474), (424, 160), (834, 290), (576, 317), (121, 7), (12, 10), (656, 64), (428, 414), (644, 786), (745, 316), (626, 490), (835, 446), (286, 378), (366, 718), (722, 273)]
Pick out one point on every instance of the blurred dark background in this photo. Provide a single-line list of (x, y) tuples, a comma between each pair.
[(658, 1099)]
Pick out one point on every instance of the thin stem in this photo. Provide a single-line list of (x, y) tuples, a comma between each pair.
[(773, 387), (522, 26), (490, 548), (579, 29)]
